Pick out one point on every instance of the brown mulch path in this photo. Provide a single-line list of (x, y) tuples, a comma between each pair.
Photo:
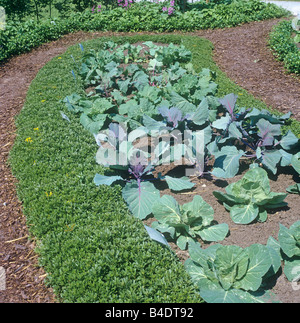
[(236, 49), (242, 53)]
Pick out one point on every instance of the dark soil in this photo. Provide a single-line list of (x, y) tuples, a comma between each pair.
[(242, 53)]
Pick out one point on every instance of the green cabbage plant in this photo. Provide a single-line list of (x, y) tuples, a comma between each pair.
[(249, 198), (184, 223), (289, 240), (231, 274)]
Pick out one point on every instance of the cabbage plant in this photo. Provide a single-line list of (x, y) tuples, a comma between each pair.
[(255, 135), (187, 222), (249, 198), (231, 274), (135, 168), (296, 26), (289, 240)]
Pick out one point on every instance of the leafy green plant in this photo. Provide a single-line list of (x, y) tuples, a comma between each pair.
[(284, 47), (295, 161), (294, 189), (139, 191), (129, 93), (141, 17), (296, 27), (249, 198), (289, 240), (255, 134), (184, 223), (231, 274)]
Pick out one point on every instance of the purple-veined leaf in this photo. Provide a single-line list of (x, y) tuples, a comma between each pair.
[(117, 131), (229, 102), (139, 164), (173, 115), (267, 132)]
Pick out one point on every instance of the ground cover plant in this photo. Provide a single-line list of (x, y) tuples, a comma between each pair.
[(69, 231), (21, 36), (284, 44)]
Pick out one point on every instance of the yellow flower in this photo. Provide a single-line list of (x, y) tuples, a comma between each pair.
[(70, 227), (36, 129), (28, 139), (43, 101), (48, 194), (59, 58)]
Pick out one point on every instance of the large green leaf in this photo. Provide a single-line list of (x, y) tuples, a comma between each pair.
[(106, 180), (289, 140), (296, 162), (93, 126), (181, 103), (244, 214), (140, 199), (197, 274), (179, 184), (166, 210), (235, 296), (198, 210), (216, 232), (230, 264), (289, 239), (292, 271), (155, 235), (222, 123), (201, 115), (227, 162), (294, 189), (270, 158), (259, 264)]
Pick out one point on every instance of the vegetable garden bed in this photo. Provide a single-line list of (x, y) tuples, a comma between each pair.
[(68, 226)]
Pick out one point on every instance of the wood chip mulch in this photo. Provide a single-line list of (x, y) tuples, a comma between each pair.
[(241, 52)]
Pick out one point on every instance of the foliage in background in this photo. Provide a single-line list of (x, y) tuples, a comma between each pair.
[(284, 47), (20, 37)]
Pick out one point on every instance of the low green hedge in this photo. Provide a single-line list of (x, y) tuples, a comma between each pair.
[(20, 37), (90, 245), (284, 47)]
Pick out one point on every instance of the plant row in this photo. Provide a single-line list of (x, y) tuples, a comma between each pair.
[(20, 37), (284, 44), (152, 109)]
